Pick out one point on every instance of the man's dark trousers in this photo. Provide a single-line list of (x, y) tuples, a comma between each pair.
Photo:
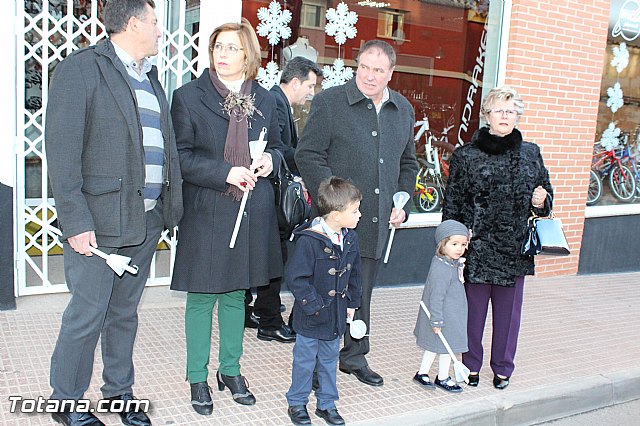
[(104, 306), (352, 355), (267, 303)]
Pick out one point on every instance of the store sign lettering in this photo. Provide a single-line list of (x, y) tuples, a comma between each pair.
[(473, 88), (628, 25)]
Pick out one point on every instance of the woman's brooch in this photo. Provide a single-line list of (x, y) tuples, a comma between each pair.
[(240, 106)]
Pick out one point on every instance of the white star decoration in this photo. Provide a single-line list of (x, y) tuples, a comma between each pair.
[(620, 57), (274, 23), (341, 23), (336, 75), (609, 139), (270, 76), (615, 100)]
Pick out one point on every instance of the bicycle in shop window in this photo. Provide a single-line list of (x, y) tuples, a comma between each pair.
[(434, 166), (609, 166)]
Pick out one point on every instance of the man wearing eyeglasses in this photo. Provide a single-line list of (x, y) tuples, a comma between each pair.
[(363, 131), (115, 175)]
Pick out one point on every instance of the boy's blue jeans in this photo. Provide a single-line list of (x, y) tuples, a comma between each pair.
[(305, 352)]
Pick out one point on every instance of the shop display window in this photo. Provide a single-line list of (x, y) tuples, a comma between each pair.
[(443, 50), (615, 168)]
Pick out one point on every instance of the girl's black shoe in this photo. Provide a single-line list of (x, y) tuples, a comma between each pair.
[(500, 383), (424, 381), (474, 379), (448, 385), (238, 386)]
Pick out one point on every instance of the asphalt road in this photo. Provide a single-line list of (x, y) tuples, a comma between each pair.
[(627, 414)]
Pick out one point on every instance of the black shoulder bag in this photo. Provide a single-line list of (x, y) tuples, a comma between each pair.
[(292, 209)]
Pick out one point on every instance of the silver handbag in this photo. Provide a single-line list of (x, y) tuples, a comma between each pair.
[(545, 236)]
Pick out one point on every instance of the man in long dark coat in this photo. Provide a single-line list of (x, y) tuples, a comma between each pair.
[(363, 130), (297, 85)]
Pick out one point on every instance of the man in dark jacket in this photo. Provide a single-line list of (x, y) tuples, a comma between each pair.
[(363, 131), (115, 175), (297, 85)]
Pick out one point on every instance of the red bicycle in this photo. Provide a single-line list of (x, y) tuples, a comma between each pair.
[(608, 165)]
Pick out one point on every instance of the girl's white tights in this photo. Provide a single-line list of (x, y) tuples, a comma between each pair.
[(443, 364)]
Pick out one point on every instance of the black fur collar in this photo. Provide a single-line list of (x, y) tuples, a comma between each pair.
[(492, 144)]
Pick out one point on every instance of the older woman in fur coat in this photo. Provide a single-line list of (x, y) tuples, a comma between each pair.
[(495, 182)]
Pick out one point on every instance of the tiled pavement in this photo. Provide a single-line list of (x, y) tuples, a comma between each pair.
[(579, 349)]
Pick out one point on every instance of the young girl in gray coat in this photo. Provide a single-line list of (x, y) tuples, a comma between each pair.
[(446, 301)]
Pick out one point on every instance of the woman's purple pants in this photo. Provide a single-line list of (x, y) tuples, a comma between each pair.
[(506, 305)]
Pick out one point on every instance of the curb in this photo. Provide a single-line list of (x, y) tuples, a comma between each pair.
[(530, 407)]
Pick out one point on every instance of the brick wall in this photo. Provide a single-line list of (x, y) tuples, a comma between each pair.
[(555, 60)]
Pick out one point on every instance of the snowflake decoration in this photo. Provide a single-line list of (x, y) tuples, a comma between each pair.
[(270, 76), (620, 57), (610, 137), (615, 100), (274, 23), (341, 23), (336, 75)]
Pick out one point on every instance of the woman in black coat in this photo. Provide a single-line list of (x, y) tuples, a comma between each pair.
[(495, 182), (214, 118)]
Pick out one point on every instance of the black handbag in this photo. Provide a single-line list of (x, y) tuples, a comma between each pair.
[(545, 236), (291, 207)]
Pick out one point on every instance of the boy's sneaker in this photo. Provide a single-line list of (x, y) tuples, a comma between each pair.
[(448, 385), (424, 381)]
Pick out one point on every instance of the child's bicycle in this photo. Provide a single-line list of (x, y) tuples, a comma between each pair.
[(608, 165), (431, 178)]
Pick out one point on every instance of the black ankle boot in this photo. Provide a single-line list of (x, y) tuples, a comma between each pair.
[(201, 398), (238, 386)]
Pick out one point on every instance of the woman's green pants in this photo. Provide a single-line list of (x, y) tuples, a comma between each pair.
[(198, 319)]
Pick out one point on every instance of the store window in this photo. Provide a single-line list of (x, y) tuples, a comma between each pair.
[(615, 167), (447, 53), (312, 15), (391, 25)]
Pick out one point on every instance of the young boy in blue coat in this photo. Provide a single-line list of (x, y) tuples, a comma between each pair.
[(324, 277)]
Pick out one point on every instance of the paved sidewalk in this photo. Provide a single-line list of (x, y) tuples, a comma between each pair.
[(579, 350)]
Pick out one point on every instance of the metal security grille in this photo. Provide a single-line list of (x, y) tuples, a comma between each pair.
[(47, 31)]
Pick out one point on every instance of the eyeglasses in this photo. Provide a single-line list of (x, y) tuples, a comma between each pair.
[(501, 112), (230, 49)]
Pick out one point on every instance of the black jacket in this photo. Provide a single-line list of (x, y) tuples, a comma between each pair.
[(288, 132), (491, 181), (316, 312), (204, 262)]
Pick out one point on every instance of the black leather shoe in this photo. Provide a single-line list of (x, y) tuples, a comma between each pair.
[(238, 386), (283, 335), (133, 416), (315, 383), (299, 415), (365, 375), (201, 398), (424, 381), (331, 416), (474, 379), (71, 418), (252, 321), (448, 385), (500, 383)]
